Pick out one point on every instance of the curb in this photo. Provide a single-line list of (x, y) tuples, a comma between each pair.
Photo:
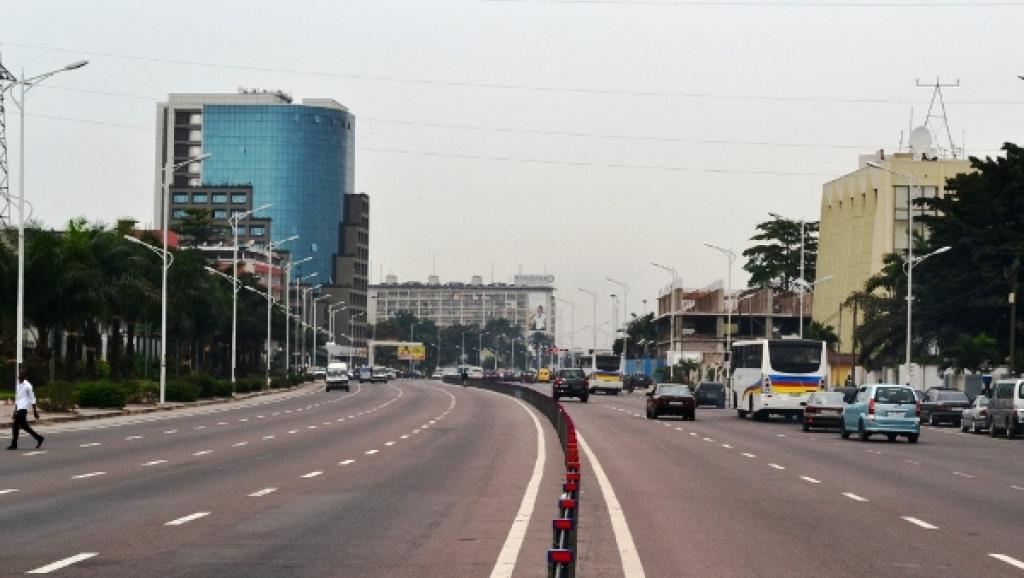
[(167, 407)]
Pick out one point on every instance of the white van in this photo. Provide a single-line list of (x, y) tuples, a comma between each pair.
[(337, 375)]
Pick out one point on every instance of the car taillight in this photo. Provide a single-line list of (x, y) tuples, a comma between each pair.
[(871, 406), (983, 413), (821, 384), (810, 409), (766, 386), (917, 409)]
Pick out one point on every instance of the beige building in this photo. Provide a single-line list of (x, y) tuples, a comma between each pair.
[(864, 217)]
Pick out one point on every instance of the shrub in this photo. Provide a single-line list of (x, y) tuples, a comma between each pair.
[(102, 394), (223, 388), (57, 396), (294, 379), (180, 390), (206, 383), (277, 382), (142, 390)]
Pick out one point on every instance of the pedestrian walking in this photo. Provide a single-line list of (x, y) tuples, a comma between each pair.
[(24, 398)]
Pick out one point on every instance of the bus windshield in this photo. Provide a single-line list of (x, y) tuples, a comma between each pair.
[(795, 357), (607, 362)]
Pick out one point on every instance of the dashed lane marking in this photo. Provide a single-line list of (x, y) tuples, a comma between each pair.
[(203, 452), (963, 475), (708, 440), (1009, 560), (54, 566), (155, 463), (404, 436), (1018, 488), (693, 433), (222, 423), (187, 519), (130, 438), (90, 445), (921, 523), (200, 427), (170, 431), (263, 492), (311, 475), (748, 455), (346, 462), (8, 491), (776, 466), (239, 444), (89, 475), (727, 446), (809, 479), (294, 431), (855, 497), (389, 443), (34, 453), (311, 427), (270, 437), (371, 452)]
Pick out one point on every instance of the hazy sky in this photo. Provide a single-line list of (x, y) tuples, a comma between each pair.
[(579, 138)]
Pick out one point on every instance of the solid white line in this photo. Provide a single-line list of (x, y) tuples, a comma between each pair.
[(811, 480), (371, 452), (855, 497), (8, 491), (186, 519), (506, 562), (89, 475), (155, 462), (920, 523), (1008, 560), (62, 563), (310, 475), (346, 462), (262, 492), (777, 466), (631, 565)]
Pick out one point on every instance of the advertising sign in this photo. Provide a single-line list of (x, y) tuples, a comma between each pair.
[(538, 320), (412, 352)]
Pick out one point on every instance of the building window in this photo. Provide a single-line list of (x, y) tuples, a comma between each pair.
[(240, 231), (178, 213), (194, 151), (180, 197), (238, 198), (194, 168), (256, 231), (195, 135), (200, 198), (220, 214), (194, 182), (195, 119), (236, 212), (220, 197)]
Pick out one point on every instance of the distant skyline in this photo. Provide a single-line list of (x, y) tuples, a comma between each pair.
[(581, 139)]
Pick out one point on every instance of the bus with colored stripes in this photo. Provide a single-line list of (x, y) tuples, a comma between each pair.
[(603, 370), (776, 376)]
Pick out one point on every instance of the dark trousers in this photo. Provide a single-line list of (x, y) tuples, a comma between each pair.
[(21, 423)]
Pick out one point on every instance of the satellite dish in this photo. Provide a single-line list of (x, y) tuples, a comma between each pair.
[(920, 139)]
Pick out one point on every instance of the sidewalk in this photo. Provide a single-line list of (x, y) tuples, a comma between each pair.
[(85, 413)]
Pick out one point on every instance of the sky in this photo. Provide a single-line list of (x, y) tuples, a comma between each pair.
[(580, 138)]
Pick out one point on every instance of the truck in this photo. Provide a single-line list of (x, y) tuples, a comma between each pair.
[(337, 376)]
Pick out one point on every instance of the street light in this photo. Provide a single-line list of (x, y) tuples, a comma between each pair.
[(300, 295), (27, 84), (315, 327), (730, 257), (672, 313), (235, 219), (593, 295), (625, 317), (572, 322), (288, 307), (270, 291), (305, 314)]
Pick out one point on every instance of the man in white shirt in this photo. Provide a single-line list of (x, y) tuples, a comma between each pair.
[(24, 398)]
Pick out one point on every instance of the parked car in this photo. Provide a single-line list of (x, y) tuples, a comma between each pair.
[(943, 405), (378, 375), (823, 409), (1006, 408), (710, 393), (438, 374), (891, 410), (637, 381), (528, 377), (919, 394), (570, 383), (671, 399), (318, 373), (337, 376), (975, 418)]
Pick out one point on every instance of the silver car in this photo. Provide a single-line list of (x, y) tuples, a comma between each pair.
[(975, 418)]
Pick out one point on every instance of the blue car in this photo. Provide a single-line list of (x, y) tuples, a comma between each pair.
[(891, 410)]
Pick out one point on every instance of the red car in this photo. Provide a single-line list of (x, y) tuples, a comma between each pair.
[(671, 399)]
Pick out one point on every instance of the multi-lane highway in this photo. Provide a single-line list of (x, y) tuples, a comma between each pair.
[(403, 479), (422, 478)]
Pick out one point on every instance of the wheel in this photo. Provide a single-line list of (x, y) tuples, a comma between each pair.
[(975, 428), (963, 426), (615, 392), (912, 438), (584, 398), (992, 431), (740, 413), (554, 396), (861, 432), (843, 432), (806, 427), (1011, 429), (891, 437), (693, 416)]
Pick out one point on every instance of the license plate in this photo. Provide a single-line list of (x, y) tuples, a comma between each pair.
[(675, 403), (897, 414), (830, 412)]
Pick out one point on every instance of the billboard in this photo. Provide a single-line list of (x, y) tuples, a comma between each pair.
[(412, 352), (538, 319)]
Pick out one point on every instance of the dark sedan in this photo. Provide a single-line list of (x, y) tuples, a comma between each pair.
[(570, 383), (823, 409), (943, 405), (710, 393), (671, 399)]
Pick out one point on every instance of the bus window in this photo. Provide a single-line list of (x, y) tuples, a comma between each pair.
[(795, 357)]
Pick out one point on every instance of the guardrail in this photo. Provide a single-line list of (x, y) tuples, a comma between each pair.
[(562, 554)]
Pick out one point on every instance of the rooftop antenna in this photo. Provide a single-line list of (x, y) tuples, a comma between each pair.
[(940, 118)]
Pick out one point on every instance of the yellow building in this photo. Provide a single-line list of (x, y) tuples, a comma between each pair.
[(863, 218)]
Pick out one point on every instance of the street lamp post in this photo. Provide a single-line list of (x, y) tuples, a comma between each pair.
[(305, 316), (799, 285), (25, 85), (235, 219), (572, 323), (672, 313), (270, 292), (302, 320), (625, 318), (730, 257), (288, 308), (593, 295), (316, 328)]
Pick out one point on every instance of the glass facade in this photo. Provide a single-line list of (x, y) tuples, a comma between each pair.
[(298, 158)]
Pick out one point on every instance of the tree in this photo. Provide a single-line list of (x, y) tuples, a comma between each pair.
[(198, 227), (775, 260), (822, 332)]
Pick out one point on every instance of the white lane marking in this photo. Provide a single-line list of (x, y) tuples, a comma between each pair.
[(776, 466), (203, 452), (222, 423), (415, 431), (270, 437), (913, 462), (341, 419), (263, 492), (371, 452), (90, 445), (389, 443), (130, 438), (963, 475), (1009, 560), (239, 444), (404, 436), (351, 417), (855, 497), (506, 562), (63, 563), (89, 475), (708, 440), (310, 475), (312, 427), (186, 519), (780, 435), (631, 565), (679, 429), (327, 423), (8, 491), (155, 463), (260, 416), (809, 479), (294, 431), (35, 453), (920, 523), (200, 427), (346, 462), (170, 431), (748, 455), (243, 419), (727, 446), (693, 433), (1018, 488)]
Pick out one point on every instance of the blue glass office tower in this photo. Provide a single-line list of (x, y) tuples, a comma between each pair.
[(298, 157)]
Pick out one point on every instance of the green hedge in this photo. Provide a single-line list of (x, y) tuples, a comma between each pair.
[(57, 396), (181, 390), (223, 388), (142, 390), (102, 394)]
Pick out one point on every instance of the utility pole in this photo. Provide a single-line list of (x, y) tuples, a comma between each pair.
[(1013, 310)]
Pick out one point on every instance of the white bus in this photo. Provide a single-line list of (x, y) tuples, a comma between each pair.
[(776, 376), (604, 371)]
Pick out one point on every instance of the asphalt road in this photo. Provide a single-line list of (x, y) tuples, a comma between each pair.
[(722, 496), (404, 479)]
